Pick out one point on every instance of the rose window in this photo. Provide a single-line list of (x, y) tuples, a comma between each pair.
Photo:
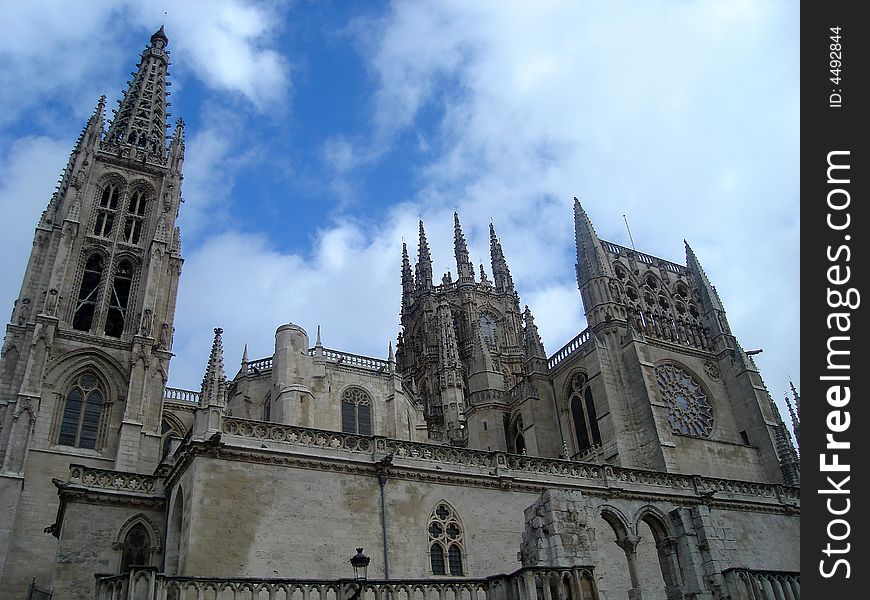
[(691, 413)]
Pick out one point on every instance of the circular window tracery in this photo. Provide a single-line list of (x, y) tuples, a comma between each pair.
[(691, 413)]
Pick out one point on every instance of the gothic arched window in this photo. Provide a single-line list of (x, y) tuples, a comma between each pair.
[(135, 217), (583, 413), (446, 541), (107, 206), (356, 412), (118, 297), (489, 329), (82, 412), (86, 304), (137, 548)]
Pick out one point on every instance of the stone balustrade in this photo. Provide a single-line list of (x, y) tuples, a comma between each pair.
[(569, 349), (118, 481), (355, 360), (745, 584), (180, 395), (145, 583), (504, 464)]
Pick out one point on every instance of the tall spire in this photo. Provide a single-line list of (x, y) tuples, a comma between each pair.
[(788, 458), (533, 347), (214, 383), (464, 268), (590, 262), (407, 277), (709, 296), (139, 124), (795, 414), (500, 271), (89, 136), (424, 262)]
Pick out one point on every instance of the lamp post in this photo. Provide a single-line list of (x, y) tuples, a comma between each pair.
[(360, 563)]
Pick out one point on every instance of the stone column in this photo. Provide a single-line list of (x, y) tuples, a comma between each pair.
[(669, 562), (629, 546)]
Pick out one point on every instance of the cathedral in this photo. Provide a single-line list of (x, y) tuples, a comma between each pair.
[(645, 459)]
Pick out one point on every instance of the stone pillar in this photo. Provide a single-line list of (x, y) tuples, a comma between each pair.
[(628, 544), (668, 560)]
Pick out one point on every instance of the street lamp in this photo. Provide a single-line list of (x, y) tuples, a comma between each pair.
[(360, 563)]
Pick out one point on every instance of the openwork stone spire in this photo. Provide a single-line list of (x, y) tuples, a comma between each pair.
[(788, 458), (708, 293), (464, 267), (214, 383), (500, 271), (424, 262), (140, 121)]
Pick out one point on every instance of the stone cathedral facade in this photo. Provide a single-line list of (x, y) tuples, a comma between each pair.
[(644, 459)]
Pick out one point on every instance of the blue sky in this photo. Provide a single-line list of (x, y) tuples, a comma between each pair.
[(319, 132)]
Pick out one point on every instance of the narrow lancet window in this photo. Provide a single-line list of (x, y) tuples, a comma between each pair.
[(583, 413), (118, 297), (106, 209), (137, 548), (87, 301), (135, 217)]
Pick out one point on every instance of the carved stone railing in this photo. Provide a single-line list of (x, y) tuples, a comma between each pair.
[(145, 583), (746, 584), (117, 481), (353, 360), (180, 395), (569, 349), (645, 258), (501, 463), (259, 365), (263, 365), (297, 436)]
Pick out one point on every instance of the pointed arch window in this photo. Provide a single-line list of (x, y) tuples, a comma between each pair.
[(119, 295), (135, 217), (107, 206), (583, 413), (136, 548), (356, 412), (489, 330), (446, 541), (82, 413), (87, 301)]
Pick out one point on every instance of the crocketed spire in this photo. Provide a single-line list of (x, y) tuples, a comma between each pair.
[(464, 267), (214, 383), (424, 262), (140, 121), (533, 347), (500, 271)]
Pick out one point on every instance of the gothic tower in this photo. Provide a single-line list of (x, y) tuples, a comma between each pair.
[(660, 382), (480, 373), (87, 351)]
